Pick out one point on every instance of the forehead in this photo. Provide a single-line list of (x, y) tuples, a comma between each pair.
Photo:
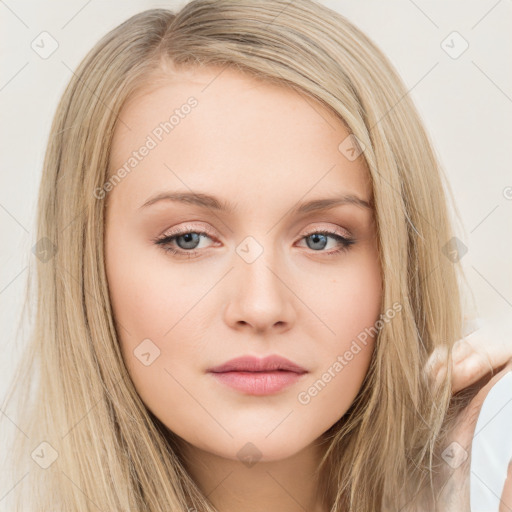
[(242, 136)]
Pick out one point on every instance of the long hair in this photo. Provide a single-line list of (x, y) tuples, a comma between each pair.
[(78, 409)]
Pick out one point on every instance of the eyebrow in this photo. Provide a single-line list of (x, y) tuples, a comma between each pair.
[(211, 202)]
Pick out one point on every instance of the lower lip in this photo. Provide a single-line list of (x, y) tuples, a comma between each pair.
[(258, 383)]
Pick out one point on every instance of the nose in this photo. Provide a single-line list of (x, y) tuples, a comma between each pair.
[(261, 300)]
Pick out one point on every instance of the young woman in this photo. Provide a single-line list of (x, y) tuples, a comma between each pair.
[(245, 281)]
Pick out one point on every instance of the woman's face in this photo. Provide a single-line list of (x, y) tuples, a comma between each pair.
[(250, 278)]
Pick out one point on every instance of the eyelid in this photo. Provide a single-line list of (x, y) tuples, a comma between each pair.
[(206, 229), (186, 228), (334, 229)]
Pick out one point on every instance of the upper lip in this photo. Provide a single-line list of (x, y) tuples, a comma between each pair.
[(255, 364)]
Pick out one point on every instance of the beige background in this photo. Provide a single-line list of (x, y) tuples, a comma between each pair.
[(466, 104)]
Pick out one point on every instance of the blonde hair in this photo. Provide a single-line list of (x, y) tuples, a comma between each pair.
[(76, 393)]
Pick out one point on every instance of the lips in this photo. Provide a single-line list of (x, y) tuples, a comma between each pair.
[(258, 377), (253, 364)]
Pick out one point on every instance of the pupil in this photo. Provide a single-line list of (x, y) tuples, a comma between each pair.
[(316, 237), (189, 238)]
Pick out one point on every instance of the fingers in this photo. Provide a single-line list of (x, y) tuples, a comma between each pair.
[(482, 352), (439, 356), (464, 429)]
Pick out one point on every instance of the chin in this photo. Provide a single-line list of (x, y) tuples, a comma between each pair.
[(252, 449)]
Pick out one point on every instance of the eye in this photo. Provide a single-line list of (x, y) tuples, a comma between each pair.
[(319, 240), (188, 240)]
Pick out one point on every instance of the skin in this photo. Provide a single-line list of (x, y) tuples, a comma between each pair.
[(480, 359), (266, 149), (506, 497)]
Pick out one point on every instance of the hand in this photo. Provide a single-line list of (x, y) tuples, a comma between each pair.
[(506, 496), (480, 360)]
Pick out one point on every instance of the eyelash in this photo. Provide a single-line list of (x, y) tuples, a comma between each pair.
[(166, 240)]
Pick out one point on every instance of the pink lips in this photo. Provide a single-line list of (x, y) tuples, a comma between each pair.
[(255, 376)]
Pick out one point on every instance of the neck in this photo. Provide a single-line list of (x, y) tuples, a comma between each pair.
[(287, 485)]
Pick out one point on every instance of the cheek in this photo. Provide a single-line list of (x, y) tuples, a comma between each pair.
[(346, 298), (356, 299), (152, 302), (149, 296), (349, 307)]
